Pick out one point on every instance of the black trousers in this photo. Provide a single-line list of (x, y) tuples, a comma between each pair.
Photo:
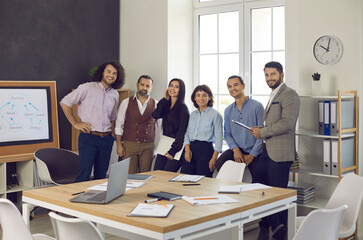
[(256, 173), (163, 163), (276, 175), (202, 153)]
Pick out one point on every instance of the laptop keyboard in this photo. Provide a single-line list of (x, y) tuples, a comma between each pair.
[(98, 197)]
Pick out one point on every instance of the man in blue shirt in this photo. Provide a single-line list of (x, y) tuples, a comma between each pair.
[(243, 146)]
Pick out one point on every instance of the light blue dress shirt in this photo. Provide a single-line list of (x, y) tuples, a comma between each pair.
[(236, 136), (205, 126)]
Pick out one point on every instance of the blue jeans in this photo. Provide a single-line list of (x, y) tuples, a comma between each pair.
[(276, 175), (94, 151)]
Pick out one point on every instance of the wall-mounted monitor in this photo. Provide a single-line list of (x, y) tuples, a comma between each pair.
[(28, 116)]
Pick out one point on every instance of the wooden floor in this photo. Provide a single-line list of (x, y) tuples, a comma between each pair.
[(42, 224)]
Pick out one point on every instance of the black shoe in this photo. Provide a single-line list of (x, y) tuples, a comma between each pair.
[(264, 233), (280, 233)]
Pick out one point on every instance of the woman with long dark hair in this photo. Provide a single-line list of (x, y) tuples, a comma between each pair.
[(175, 117)]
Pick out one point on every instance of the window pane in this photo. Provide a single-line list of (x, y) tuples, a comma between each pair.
[(279, 28), (208, 33), (279, 57), (228, 32), (258, 83), (261, 29), (224, 102), (228, 66), (262, 99), (208, 71)]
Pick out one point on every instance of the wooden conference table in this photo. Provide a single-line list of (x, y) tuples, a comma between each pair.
[(184, 222)]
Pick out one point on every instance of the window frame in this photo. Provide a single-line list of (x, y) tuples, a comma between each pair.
[(245, 36)]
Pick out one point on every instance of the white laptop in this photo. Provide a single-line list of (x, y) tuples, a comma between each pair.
[(116, 186)]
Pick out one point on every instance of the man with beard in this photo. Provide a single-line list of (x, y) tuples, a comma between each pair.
[(135, 127), (97, 108), (278, 133)]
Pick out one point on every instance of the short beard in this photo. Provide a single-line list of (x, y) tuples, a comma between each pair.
[(143, 94), (278, 82)]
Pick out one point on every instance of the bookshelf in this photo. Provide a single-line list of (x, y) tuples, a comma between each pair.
[(311, 150)]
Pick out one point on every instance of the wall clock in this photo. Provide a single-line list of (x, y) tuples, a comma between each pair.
[(328, 50)]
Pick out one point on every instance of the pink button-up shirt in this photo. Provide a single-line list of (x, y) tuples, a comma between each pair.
[(96, 105)]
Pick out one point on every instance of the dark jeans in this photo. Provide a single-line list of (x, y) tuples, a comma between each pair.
[(163, 163), (257, 173), (94, 151), (202, 153), (277, 175)]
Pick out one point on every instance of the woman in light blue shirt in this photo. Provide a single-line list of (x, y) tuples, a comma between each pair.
[(204, 129)]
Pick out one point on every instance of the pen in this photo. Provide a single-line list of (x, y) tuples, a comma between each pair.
[(162, 204), (152, 200), (78, 193), (207, 198), (191, 184)]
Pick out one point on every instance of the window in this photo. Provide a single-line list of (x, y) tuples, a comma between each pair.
[(230, 41)]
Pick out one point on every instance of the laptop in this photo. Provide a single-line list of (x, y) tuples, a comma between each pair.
[(116, 186)]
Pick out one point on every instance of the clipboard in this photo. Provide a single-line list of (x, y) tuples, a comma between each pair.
[(164, 145), (241, 124)]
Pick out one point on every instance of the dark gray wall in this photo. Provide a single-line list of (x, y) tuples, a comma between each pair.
[(57, 40)]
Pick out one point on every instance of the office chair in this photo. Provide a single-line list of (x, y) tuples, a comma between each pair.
[(74, 228), (57, 166), (322, 224), (13, 226), (349, 191), (232, 171)]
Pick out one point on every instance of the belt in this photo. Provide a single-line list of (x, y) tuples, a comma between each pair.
[(101, 134)]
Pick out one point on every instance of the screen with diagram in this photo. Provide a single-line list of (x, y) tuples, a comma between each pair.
[(25, 115)]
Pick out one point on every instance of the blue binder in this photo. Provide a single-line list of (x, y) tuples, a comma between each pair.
[(326, 117)]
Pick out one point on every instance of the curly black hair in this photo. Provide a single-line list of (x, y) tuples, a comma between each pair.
[(120, 80)]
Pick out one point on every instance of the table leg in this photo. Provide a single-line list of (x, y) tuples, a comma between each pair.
[(291, 230), (26, 212), (240, 231)]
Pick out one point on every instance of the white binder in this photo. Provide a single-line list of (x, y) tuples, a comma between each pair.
[(347, 115), (347, 153), (326, 157)]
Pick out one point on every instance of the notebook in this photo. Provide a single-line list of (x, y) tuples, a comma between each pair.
[(165, 195), (116, 186)]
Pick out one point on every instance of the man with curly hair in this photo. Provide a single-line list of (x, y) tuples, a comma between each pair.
[(97, 104)]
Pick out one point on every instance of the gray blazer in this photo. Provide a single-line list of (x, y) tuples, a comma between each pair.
[(279, 122)]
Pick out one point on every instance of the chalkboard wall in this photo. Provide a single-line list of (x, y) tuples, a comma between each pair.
[(57, 40)]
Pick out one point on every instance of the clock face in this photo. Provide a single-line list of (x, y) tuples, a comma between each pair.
[(328, 50)]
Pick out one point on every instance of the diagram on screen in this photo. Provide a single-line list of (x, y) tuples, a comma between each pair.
[(23, 115)]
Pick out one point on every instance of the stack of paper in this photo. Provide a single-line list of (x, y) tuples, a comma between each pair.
[(151, 210), (242, 188), (186, 178), (209, 200), (305, 191)]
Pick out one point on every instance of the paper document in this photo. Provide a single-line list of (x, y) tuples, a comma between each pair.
[(164, 145), (151, 210), (242, 188), (230, 189), (129, 185), (209, 200), (186, 178), (253, 186)]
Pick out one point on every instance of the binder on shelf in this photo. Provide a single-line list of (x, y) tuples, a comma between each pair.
[(327, 157), (321, 117), (347, 116), (347, 154), (326, 117)]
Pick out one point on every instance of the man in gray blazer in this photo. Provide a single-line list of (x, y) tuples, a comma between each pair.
[(278, 134)]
